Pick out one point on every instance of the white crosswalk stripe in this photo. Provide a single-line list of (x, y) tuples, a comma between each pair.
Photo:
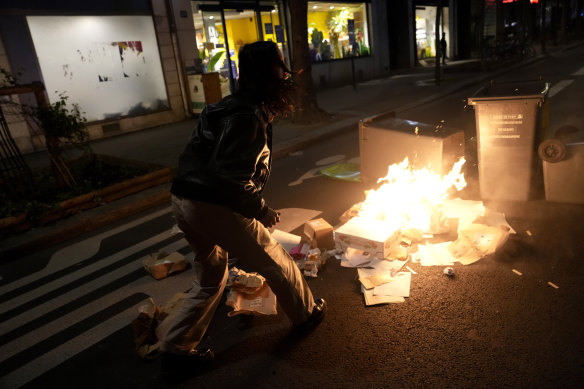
[(555, 89), (46, 288), (78, 252), (49, 333), (161, 291)]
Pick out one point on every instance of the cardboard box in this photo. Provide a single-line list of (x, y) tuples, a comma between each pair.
[(162, 265), (319, 234), (376, 238)]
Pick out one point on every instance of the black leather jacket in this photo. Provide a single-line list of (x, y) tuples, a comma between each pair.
[(228, 159)]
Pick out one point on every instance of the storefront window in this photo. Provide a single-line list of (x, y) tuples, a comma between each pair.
[(426, 30), (337, 30), (220, 33)]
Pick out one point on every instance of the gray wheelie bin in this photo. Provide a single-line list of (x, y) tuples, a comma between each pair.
[(511, 119)]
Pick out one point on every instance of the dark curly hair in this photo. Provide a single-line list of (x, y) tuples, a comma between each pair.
[(259, 78)]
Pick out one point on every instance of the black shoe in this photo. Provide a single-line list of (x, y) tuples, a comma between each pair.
[(177, 367), (314, 319)]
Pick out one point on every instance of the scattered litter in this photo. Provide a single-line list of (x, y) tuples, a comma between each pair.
[(496, 219), (308, 256), (436, 254), (313, 262), (379, 250), (553, 285), (356, 258), (375, 280), (466, 211), (250, 294), (398, 267), (319, 234), (372, 299), (399, 286), (517, 272), (528, 233), (150, 325), (477, 241), (300, 251), (345, 171), (286, 240), (161, 265)]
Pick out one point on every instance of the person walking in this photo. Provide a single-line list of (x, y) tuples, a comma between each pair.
[(217, 201), (443, 48)]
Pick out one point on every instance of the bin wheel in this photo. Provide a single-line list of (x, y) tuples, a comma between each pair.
[(552, 150)]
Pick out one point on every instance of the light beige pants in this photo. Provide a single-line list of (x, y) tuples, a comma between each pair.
[(213, 231)]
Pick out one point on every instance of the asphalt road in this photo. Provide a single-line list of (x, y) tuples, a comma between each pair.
[(487, 326)]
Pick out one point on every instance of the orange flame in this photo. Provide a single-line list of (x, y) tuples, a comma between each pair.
[(411, 198)]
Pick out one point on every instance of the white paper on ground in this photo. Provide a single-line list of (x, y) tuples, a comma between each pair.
[(356, 258), (371, 299), (436, 254), (477, 241), (400, 286), (379, 267), (466, 211), (496, 219), (287, 240)]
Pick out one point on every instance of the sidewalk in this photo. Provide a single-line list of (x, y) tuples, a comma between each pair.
[(163, 145)]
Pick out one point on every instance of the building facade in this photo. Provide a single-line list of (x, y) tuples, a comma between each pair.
[(136, 64)]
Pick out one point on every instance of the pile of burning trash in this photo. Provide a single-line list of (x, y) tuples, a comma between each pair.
[(411, 218)]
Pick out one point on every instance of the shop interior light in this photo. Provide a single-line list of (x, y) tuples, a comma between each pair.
[(332, 7), (314, 6)]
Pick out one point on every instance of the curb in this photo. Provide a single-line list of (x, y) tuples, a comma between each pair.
[(83, 222)]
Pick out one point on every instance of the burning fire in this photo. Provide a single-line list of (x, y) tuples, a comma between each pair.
[(411, 198)]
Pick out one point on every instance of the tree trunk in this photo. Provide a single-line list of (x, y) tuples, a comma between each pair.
[(63, 177), (306, 104), (437, 44), (543, 27)]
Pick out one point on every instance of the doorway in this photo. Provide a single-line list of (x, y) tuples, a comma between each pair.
[(222, 28)]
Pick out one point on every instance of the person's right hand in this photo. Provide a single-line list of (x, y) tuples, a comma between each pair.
[(271, 218)]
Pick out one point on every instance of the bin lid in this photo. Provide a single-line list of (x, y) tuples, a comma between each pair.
[(518, 90), (406, 126)]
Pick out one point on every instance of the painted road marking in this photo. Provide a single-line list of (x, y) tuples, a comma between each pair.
[(579, 72), (77, 252), (315, 172), (70, 277), (160, 291), (37, 340), (558, 87)]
